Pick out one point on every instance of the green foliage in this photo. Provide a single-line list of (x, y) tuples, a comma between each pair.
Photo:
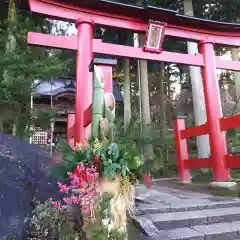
[(49, 222), (100, 231), (68, 162), (115, 234), (105, 206), (97, 232), (136, 137), (114, 159), (20, 67), (44, 117)]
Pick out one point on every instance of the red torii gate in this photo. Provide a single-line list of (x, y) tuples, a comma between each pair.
[(108, 15)]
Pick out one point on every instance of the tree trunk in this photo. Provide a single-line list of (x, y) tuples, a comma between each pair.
[(167, 91), (11, 45), (12, 17), (163, 122), (146, 114), (197, 92), (162, 98), (127, 94), (14, 129), (1, 126), (235, 57)]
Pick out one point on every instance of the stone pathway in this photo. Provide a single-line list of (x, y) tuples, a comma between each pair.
[(165, 213)]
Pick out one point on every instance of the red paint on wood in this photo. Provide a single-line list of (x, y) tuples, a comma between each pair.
[(228, 64), (108, 83), (194, 131), (88, 131), (181, 151), (230, 122), (114, 49), (224, 38), (232, 161), (72, 13), (131, 52), (70, 42), (83, 81), (214, 113), (47, 40), (70, 129), (198, 163), (88, 116)]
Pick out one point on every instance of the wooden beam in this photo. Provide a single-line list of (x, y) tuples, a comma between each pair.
[(198, 163), (58, 10), (194, 131), (114, 49), (70, 42), (72, 13), (223, 38), (228, 64), (230, 122), (138, 53), (47, 40), (232, 162)]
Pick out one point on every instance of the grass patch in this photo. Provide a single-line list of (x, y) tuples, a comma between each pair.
[(133, 232)]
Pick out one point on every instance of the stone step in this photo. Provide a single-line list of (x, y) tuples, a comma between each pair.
[(147, 208), (217, 231), (164, 221)]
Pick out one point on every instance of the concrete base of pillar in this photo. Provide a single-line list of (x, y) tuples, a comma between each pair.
[(224, 185)]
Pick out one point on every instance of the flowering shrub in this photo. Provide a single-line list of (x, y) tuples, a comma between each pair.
[(81, 191), (83, 207)]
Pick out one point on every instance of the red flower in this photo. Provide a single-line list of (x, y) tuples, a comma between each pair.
[(148, 180), (77, 171), (54, 204), (97, 162), (97, 159)]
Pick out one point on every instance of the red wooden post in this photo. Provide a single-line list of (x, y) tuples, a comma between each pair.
[(214, 113), (83, 81), (181, 150), (70, 129)]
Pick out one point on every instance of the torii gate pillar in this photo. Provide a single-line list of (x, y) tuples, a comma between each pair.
[(83, 76), (217, 137)]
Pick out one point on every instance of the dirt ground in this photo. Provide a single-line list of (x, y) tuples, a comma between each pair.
[(202, 187)]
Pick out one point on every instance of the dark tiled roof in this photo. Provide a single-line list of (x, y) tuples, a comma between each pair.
[(67, 85)]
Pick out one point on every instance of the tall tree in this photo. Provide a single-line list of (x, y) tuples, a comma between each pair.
[(197, 92), (20, 64)]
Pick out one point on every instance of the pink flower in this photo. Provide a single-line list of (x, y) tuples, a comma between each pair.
[(84, 181), (63, 188), (70, 175), (67, 200), (63, 207), (54, 204), (75, 200)]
